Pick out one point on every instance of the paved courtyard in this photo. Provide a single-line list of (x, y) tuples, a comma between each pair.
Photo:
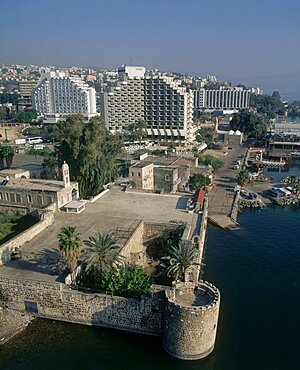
[(116, 211)]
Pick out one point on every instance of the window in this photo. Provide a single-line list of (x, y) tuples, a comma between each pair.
[(39, 199), (19, 200), (1, 196), (132, 174), (7, 196), (31, 307), (12, 197), (167, 178), (139, 174), (29, 198)]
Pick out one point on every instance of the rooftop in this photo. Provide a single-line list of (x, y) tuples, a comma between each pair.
[(116, 211), (33, 184)]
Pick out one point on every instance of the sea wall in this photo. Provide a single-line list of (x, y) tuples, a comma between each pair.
[(46, 219), (58, 301)]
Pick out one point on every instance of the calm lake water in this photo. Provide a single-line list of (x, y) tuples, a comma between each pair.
[(257, 270)]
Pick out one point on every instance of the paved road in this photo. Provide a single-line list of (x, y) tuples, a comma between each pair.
[(221, 196)]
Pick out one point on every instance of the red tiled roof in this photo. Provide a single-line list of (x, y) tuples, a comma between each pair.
[(199, 196)]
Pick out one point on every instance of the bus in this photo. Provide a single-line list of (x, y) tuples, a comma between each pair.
[(34, 140)]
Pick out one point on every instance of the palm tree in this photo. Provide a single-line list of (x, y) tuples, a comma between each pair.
[(101, 252), (69, 244), (180, 258), (243, 177)]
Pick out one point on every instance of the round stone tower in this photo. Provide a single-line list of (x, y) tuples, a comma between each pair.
[(191, 319)]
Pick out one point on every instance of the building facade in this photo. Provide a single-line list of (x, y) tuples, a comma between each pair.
[(224, 98), (168, 110), (123, 104), (164, 105), (25, 90), (59, 95), (19, 192)]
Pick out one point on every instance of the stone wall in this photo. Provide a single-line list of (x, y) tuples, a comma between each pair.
[(16, 210), (46, 219), (134, 250), (59, 302)]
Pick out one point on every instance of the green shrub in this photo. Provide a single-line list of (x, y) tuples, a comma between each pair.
[(126, 281)]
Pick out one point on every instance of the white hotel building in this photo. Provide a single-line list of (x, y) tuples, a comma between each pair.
[(165, 106), (58, 96), (224, 98)]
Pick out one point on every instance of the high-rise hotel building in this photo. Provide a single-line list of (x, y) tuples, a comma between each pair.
[(224, 98), (60, 96), (165, 106)]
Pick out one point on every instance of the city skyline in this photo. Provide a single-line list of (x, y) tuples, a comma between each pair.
[(252, 43)]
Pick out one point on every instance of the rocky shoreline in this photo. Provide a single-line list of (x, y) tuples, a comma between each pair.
[(12, 323)]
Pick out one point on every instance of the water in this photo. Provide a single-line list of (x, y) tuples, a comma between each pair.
[(258, 272)]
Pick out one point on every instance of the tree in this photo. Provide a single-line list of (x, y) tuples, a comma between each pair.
[(26, 116), (70, 244), (101, 253), (137, 130), (90, 151), (249, 123), (198, 181), (50, 168), (205, 135), (210, 160), (7, 154), (179, 259), (243, 177)]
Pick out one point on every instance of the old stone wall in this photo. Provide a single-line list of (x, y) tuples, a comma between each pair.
[(59, 302), (158, 229), (46, 219), (16, 210), (134, 249)]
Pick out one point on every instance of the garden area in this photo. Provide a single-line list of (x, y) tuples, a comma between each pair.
[(102, 268), (12, 225)]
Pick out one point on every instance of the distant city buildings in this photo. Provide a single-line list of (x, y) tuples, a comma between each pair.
[(224, 98), (164, 105), (58, 96), (25, 91)]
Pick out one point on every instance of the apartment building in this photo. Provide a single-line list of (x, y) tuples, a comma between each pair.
[(224, 98), (168, 109), (165, 106), (25, 91), (59, 96), (123, 103)]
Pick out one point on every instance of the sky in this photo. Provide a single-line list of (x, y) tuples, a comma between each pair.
[(254, 42)]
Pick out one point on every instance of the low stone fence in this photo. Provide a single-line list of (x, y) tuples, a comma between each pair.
[(58, 301), (46, 219)]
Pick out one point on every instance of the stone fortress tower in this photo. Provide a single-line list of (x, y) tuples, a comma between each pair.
[(192, 309), (190, 320)]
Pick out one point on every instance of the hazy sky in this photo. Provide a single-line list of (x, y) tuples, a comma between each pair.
[(255, 42)]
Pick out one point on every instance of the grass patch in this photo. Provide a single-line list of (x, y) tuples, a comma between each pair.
[(46, 152), (12, 225)]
